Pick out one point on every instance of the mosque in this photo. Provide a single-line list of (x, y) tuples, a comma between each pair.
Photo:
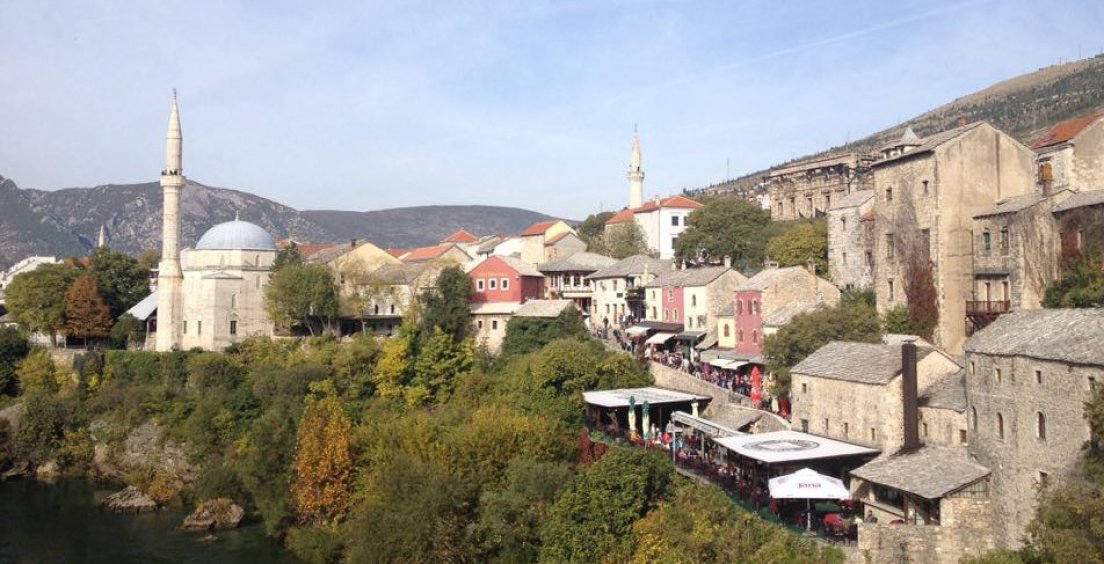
[(213, 295)]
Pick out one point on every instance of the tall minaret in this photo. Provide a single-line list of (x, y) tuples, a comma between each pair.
[(636, 175), (102, 241), (170, 277)]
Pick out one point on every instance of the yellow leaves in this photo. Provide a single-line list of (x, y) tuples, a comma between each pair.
[(323, 460)]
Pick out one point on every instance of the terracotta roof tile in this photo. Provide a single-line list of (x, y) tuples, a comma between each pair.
[(620, 217), (1065, 131), (397, 253), (672, 202), (425, 253), (538, 228), (460, 237)]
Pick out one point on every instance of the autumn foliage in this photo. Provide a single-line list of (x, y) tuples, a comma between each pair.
[(86, 313), (323, 458)]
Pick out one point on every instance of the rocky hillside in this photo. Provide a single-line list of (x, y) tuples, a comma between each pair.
[(1025, 106), (66, 222)]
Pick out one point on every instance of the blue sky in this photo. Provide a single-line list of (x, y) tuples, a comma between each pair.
[(366, 105)]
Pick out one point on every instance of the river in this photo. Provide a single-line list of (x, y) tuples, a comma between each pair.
[(60, 523)]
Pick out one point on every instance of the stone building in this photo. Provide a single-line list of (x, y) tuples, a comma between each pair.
[(661, 220), (562, 246), (770, 299), (810, 188), (926, 194), (500, 285), (1029, 375), (854, 392), (1079, 223), (537, 238), (388, 292), (568, 278), (619, 289), (1071, 155), (851, 241), (691, 300), (441, 253)]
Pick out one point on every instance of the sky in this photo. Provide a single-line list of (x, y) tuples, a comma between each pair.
[(363, 105)]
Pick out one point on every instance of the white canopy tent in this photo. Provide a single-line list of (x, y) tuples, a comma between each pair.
[(637, 331), (807, 484), (790, 446), (659, 338)]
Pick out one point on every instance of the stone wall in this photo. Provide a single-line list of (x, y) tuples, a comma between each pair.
[(1003, 415), (803, 189), (946, 544), (848, 243)]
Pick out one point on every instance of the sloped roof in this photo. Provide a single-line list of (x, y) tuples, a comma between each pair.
[(689, 277), (490, 243), (727, 310), (768, 277), (399, 274), (1064, 335), (332, 252), (784, 314), (539, 228), (1081, 200), (145, 308), (633, 266), (460, 237), (397, 253), (949, 392), (864, 363), (426, 253), (931, 142), (929, 472), (494, 308), (544, 308), (305, 250), (578, 262), (672, 202), (523, 268), (1064, 131), (559, 238), (853, 200), (620, 217), (1012, 205)]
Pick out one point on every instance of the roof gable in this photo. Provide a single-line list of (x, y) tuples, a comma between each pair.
[(539, 228), (1063, 335), (1065, 131), (460, 237), (863, 363), (515, 264)]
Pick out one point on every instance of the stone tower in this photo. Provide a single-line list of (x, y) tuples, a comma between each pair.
[(636, 175), (170, 277), (101, 242)]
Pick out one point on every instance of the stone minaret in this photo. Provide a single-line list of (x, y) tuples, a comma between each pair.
[(169, 277), (636, 175), (102, 241)]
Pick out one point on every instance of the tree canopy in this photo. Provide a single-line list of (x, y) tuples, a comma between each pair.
[(1081, 285), (86, 313), (13, 347), (36, 299), (299, 294), (802, 242), (624, 240), (121, 279), (727, 227), (527, 334), (446, 306), (592, 228)]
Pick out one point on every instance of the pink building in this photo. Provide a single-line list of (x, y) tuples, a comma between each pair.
[(505, 279), (771, 298)]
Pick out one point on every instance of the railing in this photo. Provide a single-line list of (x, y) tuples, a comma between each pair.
[(634, 294), (570, 288), (975, 307)]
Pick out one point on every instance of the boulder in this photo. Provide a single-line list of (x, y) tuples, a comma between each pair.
[(48, 471), (219, 513), (129, 500)]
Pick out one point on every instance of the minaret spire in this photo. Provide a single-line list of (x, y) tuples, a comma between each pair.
[(101, 242), (636, 174), (170, 278)]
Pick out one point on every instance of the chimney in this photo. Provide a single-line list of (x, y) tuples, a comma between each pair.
[(909, 395), (352, 243), (810, 265), (728, 261), (962, 121)]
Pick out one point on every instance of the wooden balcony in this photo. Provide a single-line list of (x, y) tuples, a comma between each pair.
[(981, 313)]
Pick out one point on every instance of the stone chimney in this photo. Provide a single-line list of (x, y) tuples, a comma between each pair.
[(810, 265), (909, 397), (728, 261)]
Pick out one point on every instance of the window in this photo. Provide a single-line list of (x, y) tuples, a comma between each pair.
[(973, 418), (727, 331), (694, 300), (809, 205), (479, 285), (973, 368), (199, 327), (804, 388), (825, 425), (185, 327), (233, 327), (1092, 383), (924, 429), (1043, 479), (1000, 426), (754, 336), (804, 425), (986, 241), (1040, 426), (1004, 240), (674, 220), (925, 185), (870, 259), (843, 224), (505, 284), (755, 307), (492, 284), (674, 242), (846, 428), (494, 324), (233, 301), (674, 315), (740, 335), (670, 293), (739, 306), (962, 436), (1039, 377), (890, 289), (999, 375), (827, 201), (889, 246), (392, 309), (889, 193), (873, 435), (479, 324), (655, 313), (665, 312), (845, 258)]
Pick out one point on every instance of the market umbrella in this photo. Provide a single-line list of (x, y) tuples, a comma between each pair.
[(807, 484), (632, 416), (756, 387), (647, 426)]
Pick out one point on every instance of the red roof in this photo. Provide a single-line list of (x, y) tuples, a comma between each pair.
[(397, 252), (460, 237), (539, 228), (306, 250), (425, 253), (672, 202), (620, 217), (1065, 131)]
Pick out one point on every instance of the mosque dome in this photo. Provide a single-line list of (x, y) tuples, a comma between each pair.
[(236, 235)]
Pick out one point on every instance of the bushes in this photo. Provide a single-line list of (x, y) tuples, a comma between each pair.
[(13, 347)]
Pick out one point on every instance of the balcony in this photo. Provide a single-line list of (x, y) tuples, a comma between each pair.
[(634, 294), (981, 313)]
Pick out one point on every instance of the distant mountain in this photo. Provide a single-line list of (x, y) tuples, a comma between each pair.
[(67, 222), (1025, 107), (423, 225)]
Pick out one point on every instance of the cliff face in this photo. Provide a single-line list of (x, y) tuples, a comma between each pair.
[(67, 222)]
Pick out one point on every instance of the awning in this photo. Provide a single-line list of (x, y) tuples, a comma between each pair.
[(710, 428), (659, 338), (709, 342), (790, 446), (719, 362), (637, 331), (654, 396), (145, 308), (733, 364), (691, 336)]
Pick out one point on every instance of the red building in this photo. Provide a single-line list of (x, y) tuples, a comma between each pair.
[(505, 279)]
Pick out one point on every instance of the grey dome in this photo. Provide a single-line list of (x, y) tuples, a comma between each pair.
[(236, 235)]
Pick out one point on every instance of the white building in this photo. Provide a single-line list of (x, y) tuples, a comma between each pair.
[(26, 265)]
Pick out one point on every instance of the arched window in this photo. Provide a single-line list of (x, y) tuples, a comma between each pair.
[(755, 307), (755, 336), (973, 418), (392, 309), (1040, 426), (1000, 426), (376, 309), (739, 306), (740, 335), (233, 301), (726, 331), (694, 300)]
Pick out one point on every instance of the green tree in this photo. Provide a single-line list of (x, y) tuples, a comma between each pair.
[(149, 259), (298, 295), (624, 240), (287, 257), (86, 314), (439, 363), (13, 348), (921, 295), (37, 374), (511, 516), (727, 227), (121, 279), (323, 458), (805, 241), (592, 229), (896, 321), (809, 331), (527, 334), (126, 330), (592, 519), (36, 299), (1081, 285), (447, 306)]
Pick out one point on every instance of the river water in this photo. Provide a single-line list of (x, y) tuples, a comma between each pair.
[(60, 522)]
